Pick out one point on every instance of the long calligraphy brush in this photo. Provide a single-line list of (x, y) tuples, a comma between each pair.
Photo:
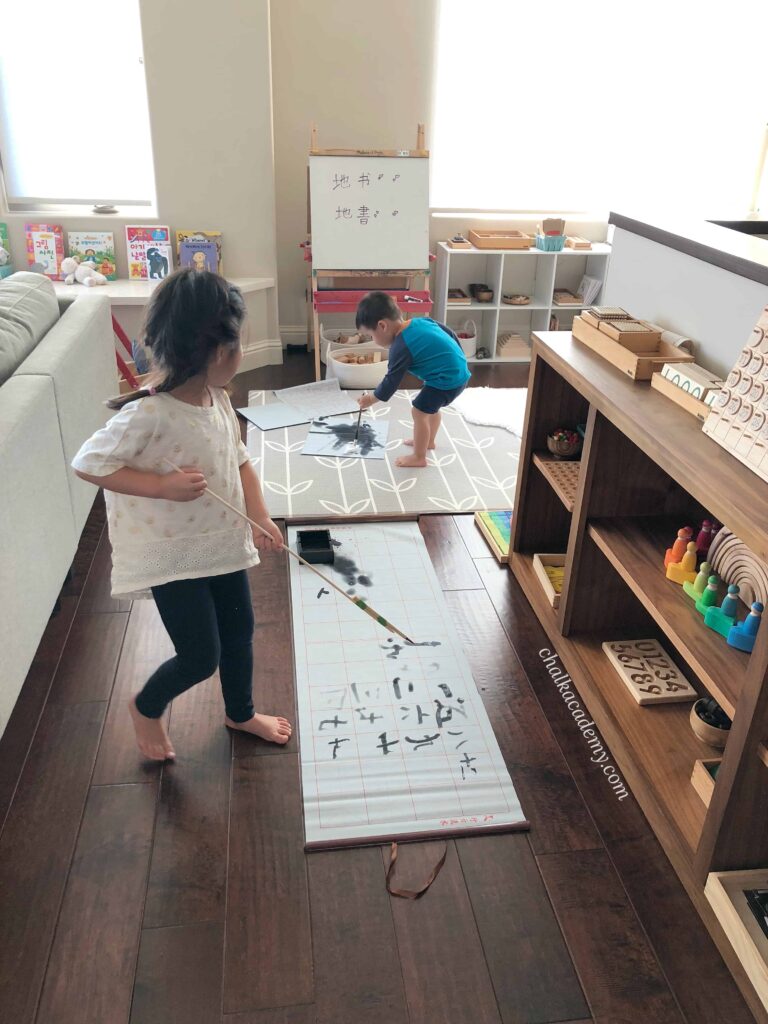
[(357, 601)]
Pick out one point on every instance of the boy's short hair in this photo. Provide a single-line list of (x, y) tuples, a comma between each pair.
[(376, 306)]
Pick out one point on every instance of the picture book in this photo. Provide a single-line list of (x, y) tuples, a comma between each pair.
[(96, 247), (150, 254), (6, 264), (45, 249), (200, 255), (200, 236)]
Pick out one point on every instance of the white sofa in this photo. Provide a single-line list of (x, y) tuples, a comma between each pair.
[(57, 366)]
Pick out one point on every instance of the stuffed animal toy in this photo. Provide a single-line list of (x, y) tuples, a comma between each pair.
[(5, 256), (81, 273)]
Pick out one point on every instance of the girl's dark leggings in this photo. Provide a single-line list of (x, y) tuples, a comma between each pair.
[(210, 622)]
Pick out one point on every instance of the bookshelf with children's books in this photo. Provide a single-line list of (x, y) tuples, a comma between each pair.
[(506, 322)]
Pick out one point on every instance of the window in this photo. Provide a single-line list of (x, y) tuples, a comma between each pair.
[(595, 106), (74, 125)]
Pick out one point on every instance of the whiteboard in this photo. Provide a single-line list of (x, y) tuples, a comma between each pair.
[(369, 213)]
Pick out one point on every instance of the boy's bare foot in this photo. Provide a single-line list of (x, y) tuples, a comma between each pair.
[(268, 727), (410, 460), (151, 735), (409, 441)]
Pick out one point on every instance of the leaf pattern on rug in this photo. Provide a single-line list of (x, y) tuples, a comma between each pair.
[(401, 488), (346, 510), (456, 506), (468, 471), (277, 488), (277, 446), (442, 460), (498, 485)]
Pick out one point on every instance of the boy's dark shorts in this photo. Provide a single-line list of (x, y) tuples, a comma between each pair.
[(431, 400)]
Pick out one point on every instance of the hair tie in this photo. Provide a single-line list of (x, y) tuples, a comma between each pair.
[(152, 391)]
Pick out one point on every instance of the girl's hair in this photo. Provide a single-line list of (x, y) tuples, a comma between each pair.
[(190, 314), (376, 306)]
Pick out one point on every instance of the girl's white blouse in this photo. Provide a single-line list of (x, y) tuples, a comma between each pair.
[(155, 541)]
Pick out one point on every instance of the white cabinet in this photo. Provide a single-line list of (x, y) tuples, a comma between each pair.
[(517, 272)]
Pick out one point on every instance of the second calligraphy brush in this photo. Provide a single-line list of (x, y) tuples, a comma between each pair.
[(357, 601)]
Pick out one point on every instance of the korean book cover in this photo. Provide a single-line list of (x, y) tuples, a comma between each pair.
[(45, 249), (150, 253), (97, 247)]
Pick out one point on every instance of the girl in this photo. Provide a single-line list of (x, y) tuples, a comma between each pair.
[(167, 535)]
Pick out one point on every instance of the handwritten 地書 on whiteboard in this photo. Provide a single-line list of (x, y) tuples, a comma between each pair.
[(369, 213)]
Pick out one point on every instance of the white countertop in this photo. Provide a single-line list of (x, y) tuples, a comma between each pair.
[(137, 293)]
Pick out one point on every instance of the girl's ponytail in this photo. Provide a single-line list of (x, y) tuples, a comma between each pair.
[(190, 314), (120, 400)]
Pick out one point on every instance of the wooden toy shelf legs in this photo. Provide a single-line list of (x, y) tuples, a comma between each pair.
[(646, 470)]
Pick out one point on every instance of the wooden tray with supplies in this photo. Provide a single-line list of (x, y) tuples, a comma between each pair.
[(540, 565), (685, 399), (703, 777), (637, 365), (635, 335), (500, 239)]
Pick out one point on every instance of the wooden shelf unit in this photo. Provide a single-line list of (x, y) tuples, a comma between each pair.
[(646, 470)]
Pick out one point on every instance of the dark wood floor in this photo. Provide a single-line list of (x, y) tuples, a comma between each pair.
[(154, 895)]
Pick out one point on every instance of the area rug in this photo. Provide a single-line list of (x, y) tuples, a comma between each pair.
[(472, 468), (395, 742), (494, 407)]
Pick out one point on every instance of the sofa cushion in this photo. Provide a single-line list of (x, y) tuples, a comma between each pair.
[(28, 310)]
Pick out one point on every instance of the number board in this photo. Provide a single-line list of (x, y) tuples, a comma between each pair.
[(649, 672)]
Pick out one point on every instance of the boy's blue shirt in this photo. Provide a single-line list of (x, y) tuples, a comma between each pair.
[(430, 351)]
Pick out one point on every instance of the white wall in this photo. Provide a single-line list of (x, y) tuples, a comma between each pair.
[(210, 103), (714, 307), (362, 71)]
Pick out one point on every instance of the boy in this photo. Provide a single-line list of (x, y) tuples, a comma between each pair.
[(423, 347)]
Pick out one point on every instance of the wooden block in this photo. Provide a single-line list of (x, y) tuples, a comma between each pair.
[(725, 891), (648, 672), (638, 366), (596, 314), (692, 378), (540, 562), (703, 779), (635, 335), (511, 239), (682, 398)]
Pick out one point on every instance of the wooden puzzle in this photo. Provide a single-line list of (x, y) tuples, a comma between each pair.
[(395, 741), (648, 672)]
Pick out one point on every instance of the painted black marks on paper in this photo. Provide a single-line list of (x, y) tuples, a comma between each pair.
[(344, 435), (347, 568)]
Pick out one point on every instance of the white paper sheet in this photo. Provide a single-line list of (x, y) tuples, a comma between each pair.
[(395, 739), (321, 398), (270, 417)]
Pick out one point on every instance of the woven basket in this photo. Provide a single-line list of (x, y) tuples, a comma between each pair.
[(563, 449)]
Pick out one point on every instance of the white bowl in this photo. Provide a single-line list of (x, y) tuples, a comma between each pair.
[(358, 376)]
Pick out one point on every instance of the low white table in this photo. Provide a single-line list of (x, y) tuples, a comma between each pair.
[(138, 293)]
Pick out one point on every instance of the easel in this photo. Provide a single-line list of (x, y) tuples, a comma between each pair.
[(345, 300)]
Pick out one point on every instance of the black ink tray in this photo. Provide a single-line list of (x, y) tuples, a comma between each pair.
[(315, 546)]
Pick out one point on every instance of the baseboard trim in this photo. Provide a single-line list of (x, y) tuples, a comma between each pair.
[(293, 334), (268, 352)]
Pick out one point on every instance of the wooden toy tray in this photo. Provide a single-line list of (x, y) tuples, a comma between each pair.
[(637, 365), (500, 239)]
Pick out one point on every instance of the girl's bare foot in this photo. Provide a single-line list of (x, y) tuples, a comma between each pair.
[(409, 441), (410, 460), (151, 735), (268, 727)]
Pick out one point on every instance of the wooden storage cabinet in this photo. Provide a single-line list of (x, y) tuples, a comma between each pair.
[(646, 469)]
